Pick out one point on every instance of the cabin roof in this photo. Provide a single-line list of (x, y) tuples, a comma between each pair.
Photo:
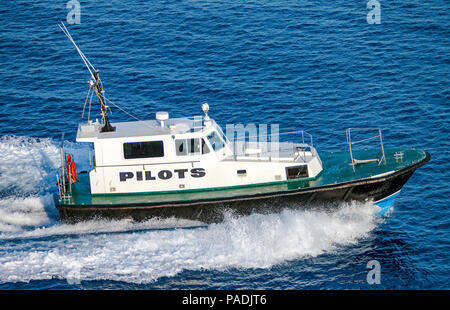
[(91, 130)]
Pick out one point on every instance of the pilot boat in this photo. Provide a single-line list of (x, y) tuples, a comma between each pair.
[(188, 168)]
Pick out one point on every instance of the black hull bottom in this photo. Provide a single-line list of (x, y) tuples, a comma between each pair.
[(211, 211)]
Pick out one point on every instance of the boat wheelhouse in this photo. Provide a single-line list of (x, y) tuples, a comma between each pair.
[(191, 153)]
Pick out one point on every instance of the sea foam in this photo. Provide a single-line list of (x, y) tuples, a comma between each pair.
[(35, 245), (145, 252)]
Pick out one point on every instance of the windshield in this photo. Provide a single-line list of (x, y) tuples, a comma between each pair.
[(215, 141), (224, 138)]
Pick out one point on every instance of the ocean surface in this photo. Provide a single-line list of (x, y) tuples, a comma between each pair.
[(318, 66)]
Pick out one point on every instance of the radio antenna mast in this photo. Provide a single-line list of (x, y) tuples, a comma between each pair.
[(96, 83)]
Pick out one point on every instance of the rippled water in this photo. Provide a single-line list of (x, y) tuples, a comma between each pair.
[(313, 65)]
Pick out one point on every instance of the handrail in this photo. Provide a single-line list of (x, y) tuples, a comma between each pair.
[(350, 143), (281, 133), (64, 190), (294, 147)]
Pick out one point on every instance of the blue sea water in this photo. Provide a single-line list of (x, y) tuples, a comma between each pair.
[(312, 65)]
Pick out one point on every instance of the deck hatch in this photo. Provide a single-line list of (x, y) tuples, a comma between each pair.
[(297, 172)]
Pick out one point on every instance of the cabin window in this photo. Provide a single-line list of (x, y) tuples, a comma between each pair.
[(181, 147), (195, 146), (150, 149), (215, 141), (205, 148), (297, 172)]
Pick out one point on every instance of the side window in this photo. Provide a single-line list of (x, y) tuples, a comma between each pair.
[(181, 147), (205, 148), (193, 146), (296, 172), (132, 150)]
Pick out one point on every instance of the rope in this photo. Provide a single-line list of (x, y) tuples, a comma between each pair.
[(129, 114), (82, 115), (90, 102), (86, 61)]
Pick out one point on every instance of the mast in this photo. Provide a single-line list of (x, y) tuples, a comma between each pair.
[(98, 87), (96, 83)]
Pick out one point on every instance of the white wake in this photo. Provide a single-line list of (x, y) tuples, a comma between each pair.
[(34, 245)]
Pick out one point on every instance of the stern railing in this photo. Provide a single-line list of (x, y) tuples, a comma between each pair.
[(63, 179)]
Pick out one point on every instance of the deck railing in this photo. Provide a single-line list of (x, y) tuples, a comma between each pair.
[(295, 150), (64, 186), (350, 142), (63, 179)]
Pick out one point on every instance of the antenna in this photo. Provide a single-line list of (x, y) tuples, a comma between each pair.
[(95, 83)]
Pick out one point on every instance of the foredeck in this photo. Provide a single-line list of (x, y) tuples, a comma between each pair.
[(337, 169)]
